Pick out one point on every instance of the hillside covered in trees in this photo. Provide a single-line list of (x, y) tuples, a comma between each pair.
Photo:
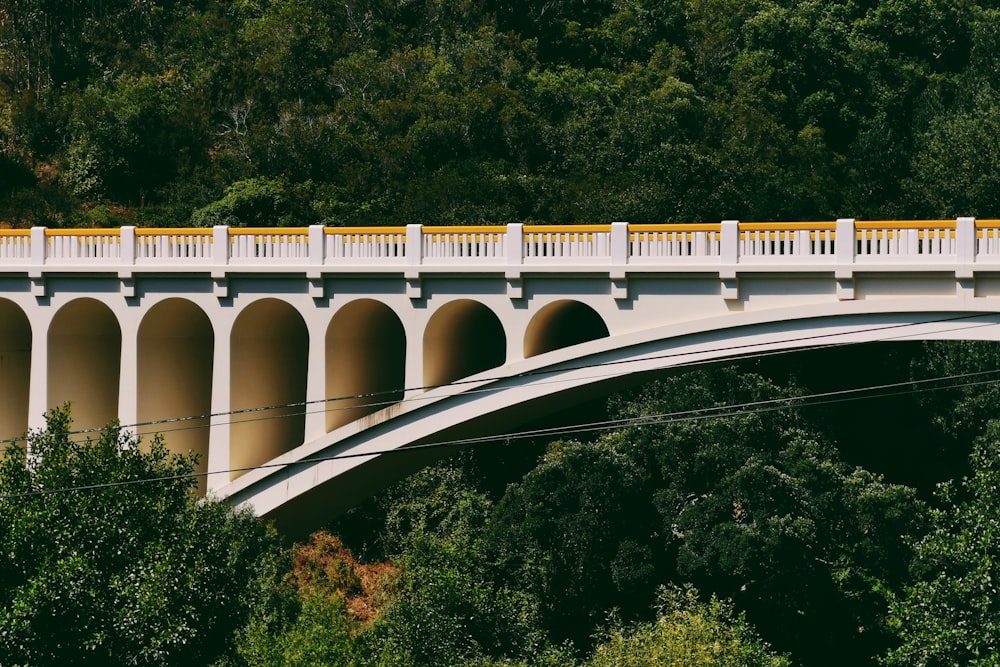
[(832, 507), (278, 112)]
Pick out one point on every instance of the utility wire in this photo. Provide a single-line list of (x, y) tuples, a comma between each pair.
[(736, 353), (696, 414)]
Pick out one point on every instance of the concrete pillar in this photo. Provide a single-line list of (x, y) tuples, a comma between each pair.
[(218, 444), (38, 387), (128, 375), (315, 407)]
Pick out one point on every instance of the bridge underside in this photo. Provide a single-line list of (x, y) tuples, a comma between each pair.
[(304, 488)]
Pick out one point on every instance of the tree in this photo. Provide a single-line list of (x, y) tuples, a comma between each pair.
[(948, 616), (107, 557), (687, 633), (753, 506)]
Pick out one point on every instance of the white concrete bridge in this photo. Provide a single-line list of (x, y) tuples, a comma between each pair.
[(285, 349)]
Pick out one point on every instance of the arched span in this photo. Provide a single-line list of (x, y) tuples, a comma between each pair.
[(15, 369), (84, 363), (462, 338), (175, 354), (561, 324), (365, 361), (300, 496), (269, 348)]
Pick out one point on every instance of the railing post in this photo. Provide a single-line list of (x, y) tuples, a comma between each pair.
[(220, 258), (619, 260), (729, 247), (619, 243), (515, 243), (414, 258), (965, 247), (37, 246), (729, 256), (845, 244), (317, 245), (220, 245), (515, 257), (414, 245), (126, 246)]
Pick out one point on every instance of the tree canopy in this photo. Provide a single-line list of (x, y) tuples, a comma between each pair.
[(100, 566), (309, 111)]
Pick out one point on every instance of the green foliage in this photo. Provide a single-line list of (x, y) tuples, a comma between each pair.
[(320, 634), (97, 568), (971, 405), (947, 616), (446, 611), (686, 633), (754, 506), (255, 202), (485, 112)]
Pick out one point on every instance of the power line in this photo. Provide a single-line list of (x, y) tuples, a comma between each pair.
[(736, 353), (696, 414)]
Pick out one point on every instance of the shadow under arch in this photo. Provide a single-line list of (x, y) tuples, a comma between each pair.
[(462, 338), (269, 356), (561, 324), (365, 361), (175, 357), (15, 369), (84, 362)]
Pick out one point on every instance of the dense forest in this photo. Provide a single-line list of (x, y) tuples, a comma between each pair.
[(833, 507), (346, 112)]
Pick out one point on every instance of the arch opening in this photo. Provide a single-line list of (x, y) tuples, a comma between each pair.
[(269, 348), (462, 338), (84, 362), (561, 324), (365, 361), (175, 358), (15, 369)]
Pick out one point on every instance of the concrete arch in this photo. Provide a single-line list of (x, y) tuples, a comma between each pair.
[(84, 362), (561, 324), (365, 361), (15, 369), (300, 497), (269, 348), (175, 352), (462, 338)]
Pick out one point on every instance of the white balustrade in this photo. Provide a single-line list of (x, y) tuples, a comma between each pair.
[(460, 243), (673, 241), (988, 241), (256, 245), (173, 246), (571, 242), (15, 247), (84, 245), (966, 242), (799, 240), (365, 244), (905, 240)]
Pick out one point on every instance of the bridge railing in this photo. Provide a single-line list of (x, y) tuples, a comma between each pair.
[(964, 241)]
